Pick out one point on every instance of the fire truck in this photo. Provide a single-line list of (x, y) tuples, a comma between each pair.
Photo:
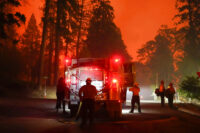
[(113, 73)]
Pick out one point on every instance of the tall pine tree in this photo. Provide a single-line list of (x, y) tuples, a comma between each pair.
[(31, 47), (10, 56), (189, 14), (104, 37), (157, 55)]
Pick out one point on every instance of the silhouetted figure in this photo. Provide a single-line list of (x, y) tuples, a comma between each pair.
[(106, 91), (87, 95), (170, 94), (135, 97), (162, 93), (61, 93)]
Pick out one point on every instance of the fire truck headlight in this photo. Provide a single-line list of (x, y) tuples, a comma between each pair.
[(68, 81)]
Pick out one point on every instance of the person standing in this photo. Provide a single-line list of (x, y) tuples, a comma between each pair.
[(170, 95), (87, 95), (61, 93), (106, 91), (162, 93), (135, 97)]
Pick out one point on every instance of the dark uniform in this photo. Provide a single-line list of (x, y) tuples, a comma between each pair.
[(87, 95), (61, 93), (162, 93), (106, 91), (135, 98), (170, 95)]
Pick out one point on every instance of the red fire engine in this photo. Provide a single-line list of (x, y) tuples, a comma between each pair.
[(112, 73)]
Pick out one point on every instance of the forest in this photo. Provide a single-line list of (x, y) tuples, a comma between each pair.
[(86, 28), (69, 28), (173, 54)]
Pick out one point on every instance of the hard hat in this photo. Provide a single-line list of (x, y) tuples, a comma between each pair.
[(88, 80), (136, 84)]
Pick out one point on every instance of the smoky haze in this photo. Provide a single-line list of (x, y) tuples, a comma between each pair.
[(138, 20)]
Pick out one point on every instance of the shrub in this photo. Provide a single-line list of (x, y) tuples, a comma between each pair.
[(190, 87)]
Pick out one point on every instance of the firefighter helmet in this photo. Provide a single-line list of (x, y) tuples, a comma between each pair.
[(88, 80), (136, 84)]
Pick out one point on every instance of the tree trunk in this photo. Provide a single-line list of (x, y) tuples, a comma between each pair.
[(42, 47), (50, 56), (79, 31), (57, 41)]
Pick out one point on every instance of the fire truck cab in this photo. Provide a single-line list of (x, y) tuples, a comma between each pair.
[(106, 73)]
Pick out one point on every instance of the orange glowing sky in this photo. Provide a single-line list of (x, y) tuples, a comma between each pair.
[(138, 20)]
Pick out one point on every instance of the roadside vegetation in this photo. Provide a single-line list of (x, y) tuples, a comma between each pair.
[(190, 88), (173, 54)]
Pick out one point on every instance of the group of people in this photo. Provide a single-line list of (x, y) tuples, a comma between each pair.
[(161, 91), (88, 92), (169, 93), (87, 95)]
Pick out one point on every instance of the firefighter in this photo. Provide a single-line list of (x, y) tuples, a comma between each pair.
[(135, 97), (162, 93), (106, 91), (61, 93), (87, 95), (170, 94)]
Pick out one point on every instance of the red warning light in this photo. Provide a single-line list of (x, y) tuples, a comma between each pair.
[(68, 61), (117, 60), (114, 80)]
